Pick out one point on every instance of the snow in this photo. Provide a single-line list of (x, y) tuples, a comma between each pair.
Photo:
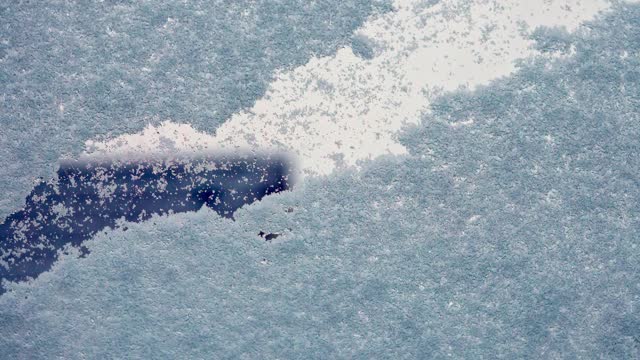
[(512, 236)]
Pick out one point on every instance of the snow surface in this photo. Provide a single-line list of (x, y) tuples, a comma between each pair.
[(75, 70), (508, 229), (342, 108)]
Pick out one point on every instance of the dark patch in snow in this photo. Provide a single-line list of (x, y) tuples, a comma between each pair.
[(89, 197), (268, 236)]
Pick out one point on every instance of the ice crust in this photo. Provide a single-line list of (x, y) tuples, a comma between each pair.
[(509, 230)]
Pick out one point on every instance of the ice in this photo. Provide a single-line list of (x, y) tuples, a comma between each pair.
[(509, 230)]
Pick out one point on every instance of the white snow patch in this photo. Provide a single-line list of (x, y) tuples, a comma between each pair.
[(340, 109)]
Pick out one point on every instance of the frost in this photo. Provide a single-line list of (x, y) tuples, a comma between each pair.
[(512, 236)]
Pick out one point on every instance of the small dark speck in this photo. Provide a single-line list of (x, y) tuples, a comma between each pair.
[(84, 251), (269, 236)]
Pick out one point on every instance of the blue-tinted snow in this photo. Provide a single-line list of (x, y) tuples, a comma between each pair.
[(514, 235), (73, 70)]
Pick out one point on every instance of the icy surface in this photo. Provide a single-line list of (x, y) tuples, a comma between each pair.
[(509, 229), (74, 70)]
